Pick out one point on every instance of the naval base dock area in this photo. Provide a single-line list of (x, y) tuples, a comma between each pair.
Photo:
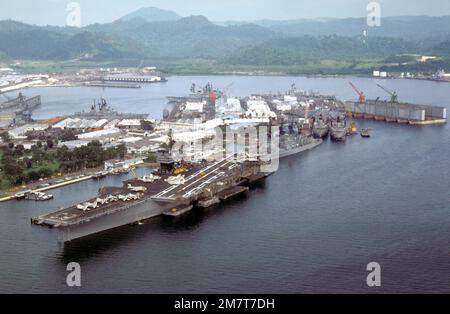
[(159, 193), (394, 110)]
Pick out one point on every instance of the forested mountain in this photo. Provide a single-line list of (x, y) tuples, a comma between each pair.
[(298, 50), (408, 27), (152, 34)]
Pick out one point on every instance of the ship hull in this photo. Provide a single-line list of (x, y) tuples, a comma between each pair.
[(320, 132), (338, 136), (300, 149), (135, 213)]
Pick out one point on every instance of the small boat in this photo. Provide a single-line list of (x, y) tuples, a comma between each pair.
[(100, 175), (22, 195), (365, 133), (39, 196)]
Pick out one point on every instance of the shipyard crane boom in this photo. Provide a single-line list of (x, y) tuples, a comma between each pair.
[(226, 88), (362, 97), (394, 96)]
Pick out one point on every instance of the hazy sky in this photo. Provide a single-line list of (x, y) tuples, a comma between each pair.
[(53, 12)]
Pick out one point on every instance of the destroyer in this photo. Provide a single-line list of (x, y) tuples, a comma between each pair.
[(320, 128), (293, 145), (101, 110), (338, 131)]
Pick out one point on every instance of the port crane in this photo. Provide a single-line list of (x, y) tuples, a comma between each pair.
[(224, 91), (394, 96), (362, 97)]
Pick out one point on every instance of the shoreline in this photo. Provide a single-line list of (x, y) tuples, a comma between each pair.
[(240, 74), (65, 183)]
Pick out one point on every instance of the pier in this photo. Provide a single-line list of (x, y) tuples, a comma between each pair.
[(135, 79), (111, 85)]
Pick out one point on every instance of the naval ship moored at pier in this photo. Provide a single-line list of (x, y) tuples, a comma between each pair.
[(202, 185)]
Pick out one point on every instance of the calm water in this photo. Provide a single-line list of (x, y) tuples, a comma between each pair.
[(311, 227)]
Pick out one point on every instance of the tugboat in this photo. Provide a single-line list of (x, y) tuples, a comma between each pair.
[(365, 133)]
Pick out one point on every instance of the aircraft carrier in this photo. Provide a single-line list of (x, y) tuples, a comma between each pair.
[(202, 185)]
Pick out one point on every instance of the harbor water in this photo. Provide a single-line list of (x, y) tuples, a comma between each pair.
[(313, 226)]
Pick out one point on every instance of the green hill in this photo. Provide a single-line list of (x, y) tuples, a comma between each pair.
[(299, 50), (195, 44)]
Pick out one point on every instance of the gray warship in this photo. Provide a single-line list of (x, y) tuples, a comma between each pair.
[(320, 128), (296, 144), (338, 131), (101, 110)]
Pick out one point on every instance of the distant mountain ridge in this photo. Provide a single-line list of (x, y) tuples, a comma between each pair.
[(189, 37), (153, 34), (417, 27), (151, 14)]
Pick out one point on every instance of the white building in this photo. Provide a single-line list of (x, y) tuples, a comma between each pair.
[(75, 123), (129, 123), (112, 124), (258, 108), (100, 123), (98, 134), (71, 145), (19, 132)]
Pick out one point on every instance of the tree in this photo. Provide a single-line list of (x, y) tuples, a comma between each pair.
[(68, 135), (122, 151), (5, 137), (19, 150), (63, 153), (151, 158), (50, 144), (13, 171), (33, 175)]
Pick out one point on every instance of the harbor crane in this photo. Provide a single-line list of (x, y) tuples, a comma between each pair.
[(362, 97), (224, 90), (394, 96)]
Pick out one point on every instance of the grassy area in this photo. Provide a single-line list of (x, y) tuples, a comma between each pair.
[(42, 67), (203, 67), (199, 66), (4, 184), (322, 67)]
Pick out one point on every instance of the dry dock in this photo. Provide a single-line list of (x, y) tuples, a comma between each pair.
[(404, 113)]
